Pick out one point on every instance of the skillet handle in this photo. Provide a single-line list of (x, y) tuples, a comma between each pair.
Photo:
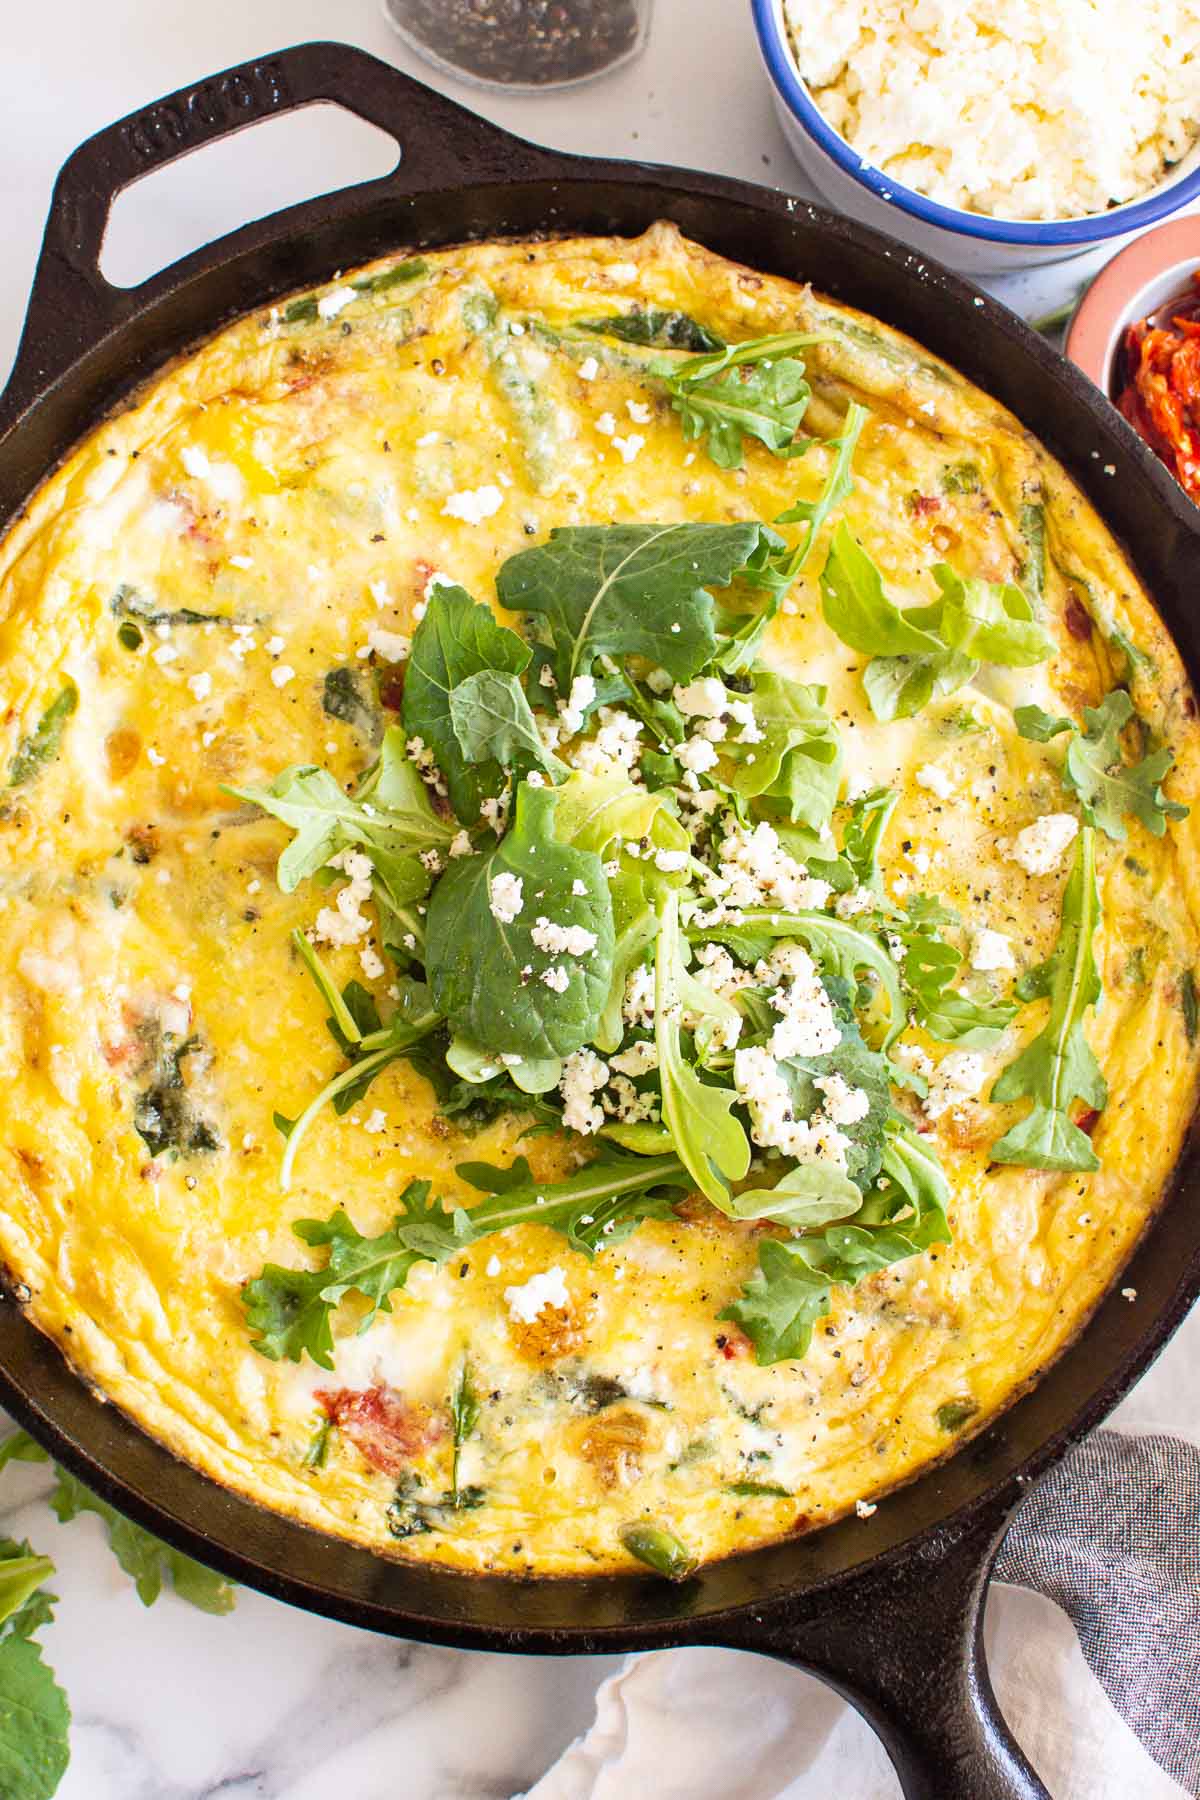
[(72, 307), (903, 1643)]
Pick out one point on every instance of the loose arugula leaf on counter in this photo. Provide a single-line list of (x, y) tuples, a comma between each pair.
[(487, 973), (707, 1138), (142, 1555), (388, 816), (42, 744), (659, 330), (34, 1723), (289, 1311), (1059, 1066), (493, 723), (457, 638), (25, 1602), (628, 590), (20, 1447), (755, 389)]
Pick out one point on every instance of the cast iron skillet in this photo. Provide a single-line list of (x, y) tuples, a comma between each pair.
[(887, 1610)]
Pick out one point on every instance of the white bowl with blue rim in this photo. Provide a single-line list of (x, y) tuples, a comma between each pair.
[(973, 242)]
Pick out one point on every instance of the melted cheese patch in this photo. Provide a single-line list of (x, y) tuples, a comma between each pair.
[(221, 571)]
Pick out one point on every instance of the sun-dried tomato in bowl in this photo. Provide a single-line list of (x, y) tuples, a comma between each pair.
[(1158, 385)]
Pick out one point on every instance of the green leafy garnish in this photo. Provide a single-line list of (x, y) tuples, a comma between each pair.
[(289, 1311), (42, 744), (493, 723), (34, 1723), (1108, 787), (142, 1555), (795, 764), (923, 652), (628, 590), (837, 487), (1059, 1066), (486, 971), (756, 389), (659, 330), (458, 638), (930, 969), (710, 1142)]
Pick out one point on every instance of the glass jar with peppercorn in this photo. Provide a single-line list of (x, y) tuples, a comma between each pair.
[(523, 45)]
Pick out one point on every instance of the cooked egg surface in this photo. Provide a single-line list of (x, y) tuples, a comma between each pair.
[(219, 575)]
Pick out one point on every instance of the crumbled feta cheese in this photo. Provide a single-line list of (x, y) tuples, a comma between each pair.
[(371, 962), (556, 978), (773, 1125), (376, 1121), (957, 1078), (589, 368), (1039, 847), (858, 900), (618, 740), (755, 870), (200, 685), (638, 1005), (474, 505), (571, 710), (639, 1059), (494, 812), (432, 860), (546, 677), (273, 646), (241, 562), (164, 653), (1005, 108), (628, 447), (807, 1025), (622, 1101), (658, 681), (460, 844), (343, 923), (493, 1266), (281, 674), (912, 1056), (638, 411), (704, 699), (547, 1288), (584, 1074), (563, 940), (332, 303), (991, 950), (393, 646), (606, 424), (845, 1105), (697, 755), (672, 862), (505, 897), (718, 971), (865, 1509), (579, 888), (935, 781)]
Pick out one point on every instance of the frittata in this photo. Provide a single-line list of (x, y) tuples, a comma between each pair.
[(598, 908)]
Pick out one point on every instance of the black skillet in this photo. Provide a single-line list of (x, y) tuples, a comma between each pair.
[(887, 1609)]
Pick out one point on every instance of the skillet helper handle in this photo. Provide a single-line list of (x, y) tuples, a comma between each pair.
[(904, 1644), (72, 307)]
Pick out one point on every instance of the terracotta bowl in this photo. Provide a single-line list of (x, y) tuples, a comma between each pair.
[(1155, 268)]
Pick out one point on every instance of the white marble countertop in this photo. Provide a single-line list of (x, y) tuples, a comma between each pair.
[(169, 1704)]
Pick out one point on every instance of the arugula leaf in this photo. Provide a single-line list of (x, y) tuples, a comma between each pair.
[(1059, 1066), (924, 652), (34, 1722), (1108, 787), (457, 638), (389, 816), (990, 621), (930, 969), (485, 973), (20, 1447), (708, 1140), (652, 326), (862, 837), (841, 949), (493, 723), (464, 1416), (755, 389), (42, 743), (25, 1603), (1039, 726), (289, 1311), (628, 590), (838, 485), (792, 1287), (142, 1555), (810, 1194), (796, 765), (860, 1068)]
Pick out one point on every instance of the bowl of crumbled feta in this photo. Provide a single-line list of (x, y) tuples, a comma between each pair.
[(992, 133)]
